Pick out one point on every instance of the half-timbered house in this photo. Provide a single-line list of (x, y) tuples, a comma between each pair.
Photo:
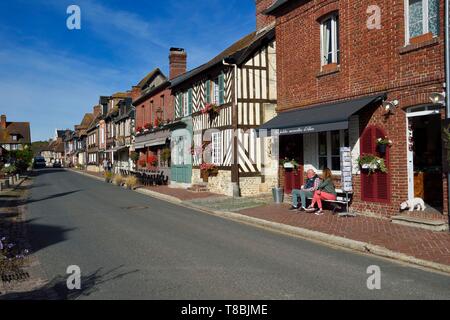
[(228, 98)]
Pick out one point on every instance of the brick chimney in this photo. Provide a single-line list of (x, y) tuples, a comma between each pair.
[(97, 111), (3, 121), (263, 20), (177, 62), (135, 92)]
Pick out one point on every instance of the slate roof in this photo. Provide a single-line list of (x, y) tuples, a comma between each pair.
[(238, 51)]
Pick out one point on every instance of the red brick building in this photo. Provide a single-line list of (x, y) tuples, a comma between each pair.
[(154, 105), (359, 56)]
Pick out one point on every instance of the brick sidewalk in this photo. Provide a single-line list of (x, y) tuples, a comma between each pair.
[(182, 194), (416, 242)]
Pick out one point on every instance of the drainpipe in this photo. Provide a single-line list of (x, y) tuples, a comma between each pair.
[(447, 85), (235, 165)]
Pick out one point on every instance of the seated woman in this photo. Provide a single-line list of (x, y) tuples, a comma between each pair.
[(306, 191), (325, 191)]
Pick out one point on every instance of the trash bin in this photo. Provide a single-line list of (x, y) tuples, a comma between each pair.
[(278, 195)]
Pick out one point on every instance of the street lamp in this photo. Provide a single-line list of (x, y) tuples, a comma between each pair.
[(437, 98)]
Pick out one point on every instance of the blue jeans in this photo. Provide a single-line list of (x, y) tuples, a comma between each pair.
[(303, 196)]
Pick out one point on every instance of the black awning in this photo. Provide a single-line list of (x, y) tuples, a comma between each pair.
[(325, 117)]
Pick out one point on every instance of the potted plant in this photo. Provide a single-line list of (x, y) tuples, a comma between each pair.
[(372, 163), (211, 108), (108, 176), (131, 182), (382, 144), (166, 154), (208, 169), (134, 156), (152, 160), (118, 180), (289, 164)]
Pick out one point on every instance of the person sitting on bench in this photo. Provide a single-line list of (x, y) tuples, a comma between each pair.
[(325, 191), (306, 191)]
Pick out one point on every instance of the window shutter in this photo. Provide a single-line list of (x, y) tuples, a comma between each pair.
[(382, 185), (208, 91), (221, 89), (190, 101), (375, 187), (180, 105)]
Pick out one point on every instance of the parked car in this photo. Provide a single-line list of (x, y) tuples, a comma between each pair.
[(39, 162), (57, 165)]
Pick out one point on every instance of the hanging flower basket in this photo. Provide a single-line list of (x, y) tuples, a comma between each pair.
[(383, 144), (289, 164), (372, 163), (212, 109), (207, 170)]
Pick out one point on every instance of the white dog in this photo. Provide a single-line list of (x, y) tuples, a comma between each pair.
[(412, 204)]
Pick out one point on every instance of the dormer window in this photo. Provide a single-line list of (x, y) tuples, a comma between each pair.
[(14, 137)]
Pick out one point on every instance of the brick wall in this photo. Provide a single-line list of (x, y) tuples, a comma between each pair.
[(146, 114), (371, 60), (263, 20), (375, 60)]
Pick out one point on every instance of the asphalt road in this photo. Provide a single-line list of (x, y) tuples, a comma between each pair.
[(131, 246)]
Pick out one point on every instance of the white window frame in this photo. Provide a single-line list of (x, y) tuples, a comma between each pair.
[(102, 135), (185, 103), (425, 20), (334, 36), (14, 137), (216, 150), (329, 155)]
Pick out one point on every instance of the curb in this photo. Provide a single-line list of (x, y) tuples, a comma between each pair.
[(303, 233)]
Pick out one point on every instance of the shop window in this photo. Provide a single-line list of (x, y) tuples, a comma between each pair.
[(329, 148), (422, 17), (375, 187)]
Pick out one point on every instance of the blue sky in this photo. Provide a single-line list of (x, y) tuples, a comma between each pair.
[(51, 76)]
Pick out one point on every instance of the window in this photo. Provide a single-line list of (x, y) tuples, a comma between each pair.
[(14, 137), (329, 148), (330, 40), (216, 151), (179, 150), (185, 105), (422, 17), (102, 135)]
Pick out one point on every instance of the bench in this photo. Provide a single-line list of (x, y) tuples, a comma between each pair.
[(341, 201)]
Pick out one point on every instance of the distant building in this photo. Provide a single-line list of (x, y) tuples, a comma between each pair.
[(14, 135)]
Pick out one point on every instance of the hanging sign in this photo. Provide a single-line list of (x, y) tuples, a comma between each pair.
[(346, 169)]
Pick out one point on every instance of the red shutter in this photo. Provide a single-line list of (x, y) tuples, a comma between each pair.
[(383, 185), (375, 187)]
